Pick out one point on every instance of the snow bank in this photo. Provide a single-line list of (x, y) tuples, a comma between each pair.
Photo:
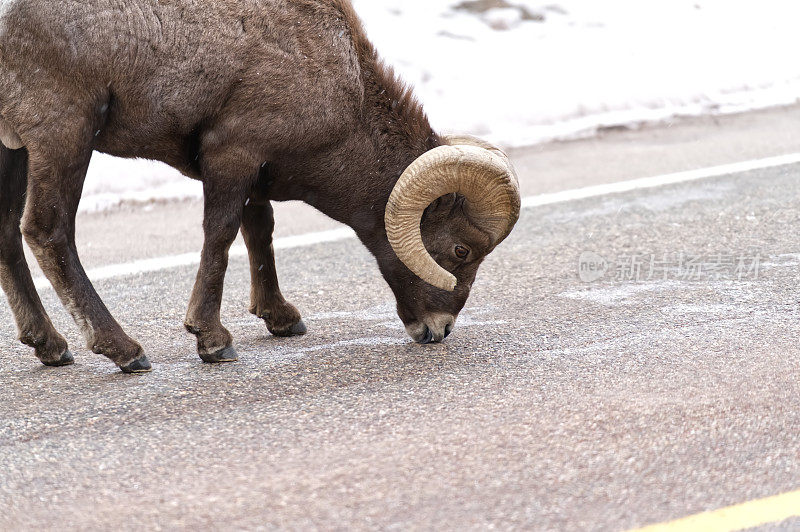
[(523, 71), (111, 181), (575, 65)]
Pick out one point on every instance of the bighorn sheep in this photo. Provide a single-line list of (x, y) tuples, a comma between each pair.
[(261, 100)]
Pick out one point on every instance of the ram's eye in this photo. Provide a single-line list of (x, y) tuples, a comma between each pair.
[(462, 252)]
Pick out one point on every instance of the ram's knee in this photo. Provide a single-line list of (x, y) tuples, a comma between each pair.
[(44, 231)]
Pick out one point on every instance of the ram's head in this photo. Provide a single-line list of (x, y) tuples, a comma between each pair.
[(448, 211)]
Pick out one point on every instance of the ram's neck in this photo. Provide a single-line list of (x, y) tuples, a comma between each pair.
[(395, 128), (352, 179)]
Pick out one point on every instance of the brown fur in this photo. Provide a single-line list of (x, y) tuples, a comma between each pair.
[(261, 100)]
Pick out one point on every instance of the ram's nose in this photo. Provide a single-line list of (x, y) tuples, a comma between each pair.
[(432, 329)]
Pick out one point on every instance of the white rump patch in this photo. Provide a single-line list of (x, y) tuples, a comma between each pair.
[(5, 8), (8, 136)]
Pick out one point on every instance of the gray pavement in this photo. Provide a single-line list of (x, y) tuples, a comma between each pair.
[(556, 404)]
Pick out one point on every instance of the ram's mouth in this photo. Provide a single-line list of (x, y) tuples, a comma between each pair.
[(433, 329)]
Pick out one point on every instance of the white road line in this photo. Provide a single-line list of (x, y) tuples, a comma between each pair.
[(191, 259), (659, 181), (335, 235)]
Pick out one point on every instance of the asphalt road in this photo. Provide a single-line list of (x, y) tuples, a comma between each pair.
[(666, 388)]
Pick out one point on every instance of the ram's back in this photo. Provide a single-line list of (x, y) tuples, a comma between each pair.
[(171, 66)]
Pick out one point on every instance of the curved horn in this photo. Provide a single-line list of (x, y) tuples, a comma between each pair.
[(482, 175), (469, 140)]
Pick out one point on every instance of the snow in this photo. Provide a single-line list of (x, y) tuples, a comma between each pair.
[(588, 64), (111, 181), (520, 72)]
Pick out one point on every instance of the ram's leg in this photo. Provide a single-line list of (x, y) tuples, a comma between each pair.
[(35, 327), (224, 202), (54, 189), (266, 300)]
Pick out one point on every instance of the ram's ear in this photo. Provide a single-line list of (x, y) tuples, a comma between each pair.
[(433, 207), (440, 211), (441, 204)]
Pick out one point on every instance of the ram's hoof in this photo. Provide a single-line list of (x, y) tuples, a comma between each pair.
[(298, 329), (228, 354), (65, 360), (140, 365)]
